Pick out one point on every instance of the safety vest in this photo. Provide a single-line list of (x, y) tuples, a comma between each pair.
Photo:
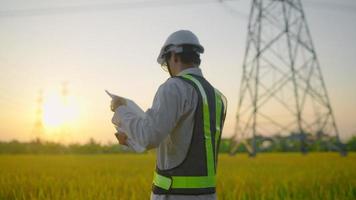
[(197, 173)]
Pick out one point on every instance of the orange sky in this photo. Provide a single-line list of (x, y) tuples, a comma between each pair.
[(117, 50)]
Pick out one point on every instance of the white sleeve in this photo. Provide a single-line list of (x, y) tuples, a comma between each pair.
[(150, 129)]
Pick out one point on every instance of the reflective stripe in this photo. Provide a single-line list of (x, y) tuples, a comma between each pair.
[(162, 181), (207, 133), (193, 181), (183, 181), (218, 107)]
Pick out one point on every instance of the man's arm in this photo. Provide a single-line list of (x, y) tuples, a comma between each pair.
[(159, 121)]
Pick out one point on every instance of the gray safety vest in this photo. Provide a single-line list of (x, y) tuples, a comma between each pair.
[(197, 173)]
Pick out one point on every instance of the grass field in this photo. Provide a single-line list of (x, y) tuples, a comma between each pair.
[(269, 176)]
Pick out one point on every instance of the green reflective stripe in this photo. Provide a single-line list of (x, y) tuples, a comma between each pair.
[(193, 181), (207, 133), (162, 181), (218, 105), (183, 181)]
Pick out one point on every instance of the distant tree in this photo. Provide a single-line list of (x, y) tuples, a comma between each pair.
[(351, 144), (224, 145)]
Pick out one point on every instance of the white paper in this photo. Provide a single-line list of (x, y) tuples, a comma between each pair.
[(116, 120)]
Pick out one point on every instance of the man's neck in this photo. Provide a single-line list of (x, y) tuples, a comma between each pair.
[(184, 67)]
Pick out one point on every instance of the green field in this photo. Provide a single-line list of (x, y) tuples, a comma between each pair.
[(269, 176)]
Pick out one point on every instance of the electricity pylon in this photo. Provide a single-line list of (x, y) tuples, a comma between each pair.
[(38, 128), (64, 128), (282, 90)]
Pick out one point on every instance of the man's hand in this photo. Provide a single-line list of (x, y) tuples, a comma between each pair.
[(116, 102), (122, 137)]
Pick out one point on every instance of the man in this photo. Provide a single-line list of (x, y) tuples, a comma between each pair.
[(184, 124)]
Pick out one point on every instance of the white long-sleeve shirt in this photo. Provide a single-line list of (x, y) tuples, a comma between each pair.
[(167, 126)]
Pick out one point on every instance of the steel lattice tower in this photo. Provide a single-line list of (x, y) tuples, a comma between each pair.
[(282, 90), (38, 129)]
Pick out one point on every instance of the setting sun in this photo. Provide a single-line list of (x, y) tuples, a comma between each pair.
[(59, 111)]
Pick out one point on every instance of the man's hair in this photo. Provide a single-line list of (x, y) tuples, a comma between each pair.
[(188, 56)]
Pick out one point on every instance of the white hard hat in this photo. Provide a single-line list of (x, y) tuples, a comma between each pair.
[(175, 41)]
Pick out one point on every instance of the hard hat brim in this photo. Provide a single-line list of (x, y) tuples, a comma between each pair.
[(161, 60)]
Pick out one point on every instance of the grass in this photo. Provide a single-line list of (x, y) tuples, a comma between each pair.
[(276, 176)]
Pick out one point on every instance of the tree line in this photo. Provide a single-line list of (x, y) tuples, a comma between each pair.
[(273, 144)]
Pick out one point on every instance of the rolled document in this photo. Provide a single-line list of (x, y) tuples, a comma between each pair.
[(117, 122)]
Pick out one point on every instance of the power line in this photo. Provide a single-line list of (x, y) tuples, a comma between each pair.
[(99, 8), (332, 6), (232, 10)]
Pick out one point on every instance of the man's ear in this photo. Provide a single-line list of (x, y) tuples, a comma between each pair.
[(175, 57)]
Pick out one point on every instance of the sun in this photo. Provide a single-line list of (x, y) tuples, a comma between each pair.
[(59, 111)]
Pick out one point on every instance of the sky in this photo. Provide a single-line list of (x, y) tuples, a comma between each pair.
[(96, 45)]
